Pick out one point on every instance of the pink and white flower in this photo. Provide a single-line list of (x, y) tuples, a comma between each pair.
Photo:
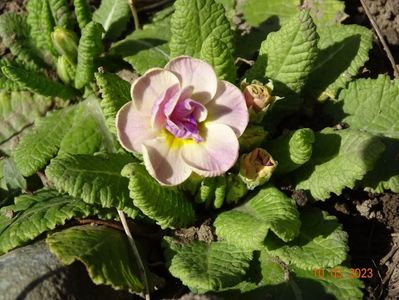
[(183, 120)]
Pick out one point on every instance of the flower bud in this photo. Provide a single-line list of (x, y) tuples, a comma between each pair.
[(256, 167), (65, 42), (65, 70), (236, 189), (252, 137)]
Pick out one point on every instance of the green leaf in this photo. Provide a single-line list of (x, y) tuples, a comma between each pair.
[(324, 13), (38, 82), (113, 15), (372, 105), (14, 32), (83, 12), (90, 47), (105, 252), (115, 93), (291, 150), (208, 267), (343, 51), (385, 175), (31, 215), (268, 209), (41, 25), (167, 206), (287, 56), (61, 13), (321, 242), (18, 110), (146, 48), (95, 179), (219, 57), (193, 22), (12, 177), (339, 159)]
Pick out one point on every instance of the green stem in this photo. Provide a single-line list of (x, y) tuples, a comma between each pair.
[(135, 15)]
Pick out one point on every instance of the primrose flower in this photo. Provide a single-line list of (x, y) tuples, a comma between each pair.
[(183, 120)]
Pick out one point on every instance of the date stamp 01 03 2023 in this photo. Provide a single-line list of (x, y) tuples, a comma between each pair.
[(339, 273)]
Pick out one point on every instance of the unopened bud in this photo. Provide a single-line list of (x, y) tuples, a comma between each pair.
[(65, 70), (65, 42), (236, 189), (257, 167), (252, 137)]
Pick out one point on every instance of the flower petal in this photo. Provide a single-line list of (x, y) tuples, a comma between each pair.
[(133, 128), (147, 88), (164, 162), (196, 74), (216, 154), (228, 107)]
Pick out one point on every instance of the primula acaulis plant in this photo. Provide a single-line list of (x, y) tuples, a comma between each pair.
[(165, 128)]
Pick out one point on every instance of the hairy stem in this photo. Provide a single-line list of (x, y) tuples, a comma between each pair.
[(143, 274), (134, 14)]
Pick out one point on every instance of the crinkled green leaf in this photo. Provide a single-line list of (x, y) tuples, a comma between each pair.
[(268, 209), (372, 105), (292, 150), (113, 15), (78, 129), (167, 206), (193, 22), (38, 82), (18, 110), (90, 47), (61, 13), (115, 92), (219, 57), (339, 159), (14, 32), (83, 12), (343, 51), (208, 266), (324, 12), (41, 23), (287, 56), (321, 242), (385, 174), (31, 215), (146, 48), (12, 177), (105, 252), (95, 179)]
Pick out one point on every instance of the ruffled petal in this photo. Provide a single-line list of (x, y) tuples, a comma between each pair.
[(133, 128), (216, 154), (149, 87), (228, 107), (196, 74), (164, 162)]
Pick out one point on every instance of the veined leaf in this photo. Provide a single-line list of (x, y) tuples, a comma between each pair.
[(31, 215), (113, 15), (14, 32), (167, 206), (12, 178), (90, 47), (268, 209), (146, 48), (292, 150), (219, 57), (343, 51), (339, 159), (372, 105), (193, 22), (83, 12), (41, 24), (321, 242), (115, 93), (18, 110), (37, 82), (208, 267), (95, 179), (105, 252), (61, 13), (287, 56)]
